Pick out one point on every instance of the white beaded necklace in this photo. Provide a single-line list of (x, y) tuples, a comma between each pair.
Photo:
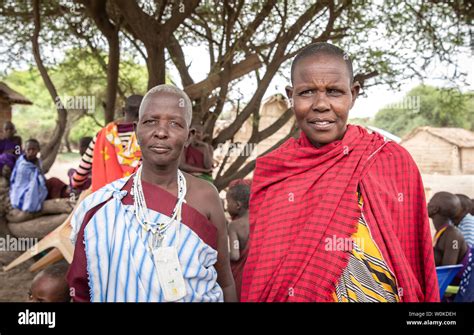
[(141, 209)]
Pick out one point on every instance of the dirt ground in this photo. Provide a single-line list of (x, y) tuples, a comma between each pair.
[(61, 166), (457, 184), (14, 284)]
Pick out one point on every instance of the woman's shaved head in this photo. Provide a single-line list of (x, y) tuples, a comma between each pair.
[(326, 49), (184, 100)]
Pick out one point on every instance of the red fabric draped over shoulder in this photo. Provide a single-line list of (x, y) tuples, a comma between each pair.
[(111, 161), (303, 196)]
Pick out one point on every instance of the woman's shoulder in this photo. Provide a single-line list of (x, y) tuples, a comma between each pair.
[(396, 152), (394, 161)]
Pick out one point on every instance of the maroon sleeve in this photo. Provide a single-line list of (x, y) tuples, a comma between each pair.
[(77, 277)]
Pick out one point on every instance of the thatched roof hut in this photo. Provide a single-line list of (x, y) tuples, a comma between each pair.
[(270, 110), (441, 150), (9, 97)]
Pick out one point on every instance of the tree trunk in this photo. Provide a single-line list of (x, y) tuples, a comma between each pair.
[(4, 231), (97, 9), (50, 150), (112, 77), (52, 206), (5, 205), (39, 227), (156, 66), (67, 144)]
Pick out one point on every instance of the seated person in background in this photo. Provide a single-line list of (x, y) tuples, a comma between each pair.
[(27, 183), (472, 206), (50, 285), (464, 221), (83, 177), (196, 158), (28, 186), (238, 207), (10, 148), (114, 152), (449, 245)]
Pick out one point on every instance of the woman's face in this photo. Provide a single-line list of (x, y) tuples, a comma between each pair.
[(162, 129), (322, 97)]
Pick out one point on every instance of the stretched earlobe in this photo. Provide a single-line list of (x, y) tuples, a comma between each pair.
[(289, 94), (356, 89), (355, 92)]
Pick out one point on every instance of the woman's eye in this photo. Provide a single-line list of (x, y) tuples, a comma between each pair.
[(333, 92), (149, 122), (306, 92), (174, 124)]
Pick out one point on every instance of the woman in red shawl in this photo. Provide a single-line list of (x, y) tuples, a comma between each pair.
[(338, 214)]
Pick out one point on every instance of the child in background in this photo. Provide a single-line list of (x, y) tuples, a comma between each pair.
[(50, 285), (238, 208)]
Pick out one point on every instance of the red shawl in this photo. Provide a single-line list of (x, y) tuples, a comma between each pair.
[(237, 268), (302, 196), (111, 161)]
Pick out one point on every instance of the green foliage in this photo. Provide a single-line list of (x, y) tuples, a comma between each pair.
[(37, 120), (78, 75), (86, 126), (428, 106), (360, 121)]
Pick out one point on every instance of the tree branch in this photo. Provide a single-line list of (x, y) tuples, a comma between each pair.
[(232, 173), (97, 10), (206, 86), (177, 56), (50, 150), (277, 59)]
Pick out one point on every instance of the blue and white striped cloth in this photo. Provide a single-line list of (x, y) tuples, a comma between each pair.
[(119, 266), (466, 226)]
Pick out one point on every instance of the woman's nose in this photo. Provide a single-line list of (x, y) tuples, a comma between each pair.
[(320, 102), (161, 131)]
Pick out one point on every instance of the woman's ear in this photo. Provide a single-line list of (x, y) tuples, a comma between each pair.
[(289, 92), (355, 89), (191, 132), (432, 209), (135, 130)]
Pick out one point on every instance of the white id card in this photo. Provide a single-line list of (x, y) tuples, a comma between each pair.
[(169, 272)]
